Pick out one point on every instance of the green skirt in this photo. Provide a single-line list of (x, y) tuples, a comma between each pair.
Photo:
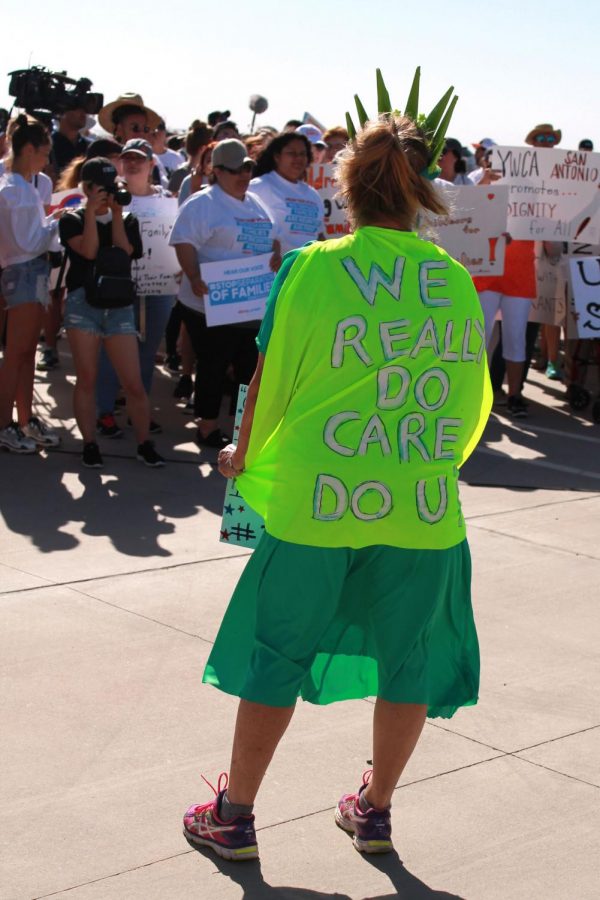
[(333, 624)]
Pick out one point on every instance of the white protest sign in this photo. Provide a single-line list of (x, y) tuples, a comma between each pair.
[(549, 306), (237, 289), (585, 285), (155, 272), (322, 178), (67, 199), (576, 251), (240, 524), (553, 195), (472, 232)]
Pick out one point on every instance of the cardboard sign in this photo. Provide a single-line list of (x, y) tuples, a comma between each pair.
[(584, 275), (576, 251), (237, 289), (472, 233), (155, 273), (553, 195), (322, 178), (550, 304), (240, 524)]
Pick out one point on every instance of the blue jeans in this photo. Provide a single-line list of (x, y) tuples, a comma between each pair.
[(158, 310)]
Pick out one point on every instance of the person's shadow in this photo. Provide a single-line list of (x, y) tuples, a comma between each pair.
[(250, 878)]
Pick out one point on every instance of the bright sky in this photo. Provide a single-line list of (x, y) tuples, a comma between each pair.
[(514, 64)]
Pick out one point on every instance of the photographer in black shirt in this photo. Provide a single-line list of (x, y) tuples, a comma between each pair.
[(100, 242)]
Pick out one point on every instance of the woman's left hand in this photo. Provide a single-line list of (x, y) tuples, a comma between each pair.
[(229, 463)]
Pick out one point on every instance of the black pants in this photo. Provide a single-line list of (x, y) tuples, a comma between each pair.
[(216, 349), (172, 330)]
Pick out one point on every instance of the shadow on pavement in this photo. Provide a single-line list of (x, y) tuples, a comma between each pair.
[(250, 879)]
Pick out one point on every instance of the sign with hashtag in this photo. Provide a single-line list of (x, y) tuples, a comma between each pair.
[(240, 524)]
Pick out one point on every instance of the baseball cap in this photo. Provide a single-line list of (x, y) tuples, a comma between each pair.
[(139, 146), (215, 117), (314, 134), (454, 146), (231, 154), (98, 170), (485, 144), (586, 144), (103, 147)]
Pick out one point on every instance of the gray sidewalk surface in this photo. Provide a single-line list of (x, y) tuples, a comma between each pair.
[(112, 586)]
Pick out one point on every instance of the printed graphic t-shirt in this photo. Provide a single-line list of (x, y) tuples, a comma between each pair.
[(295, 206), (221, 227)]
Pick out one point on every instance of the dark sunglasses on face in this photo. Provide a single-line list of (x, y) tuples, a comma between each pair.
[(245, 167), (545, 139), (136, 129)]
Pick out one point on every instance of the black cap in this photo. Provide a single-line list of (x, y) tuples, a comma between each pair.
[(103, 147), (215, 117), (99, 170), (586, 144), (454, 146)]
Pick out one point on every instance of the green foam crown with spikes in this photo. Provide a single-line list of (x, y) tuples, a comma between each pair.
[(435, 125)]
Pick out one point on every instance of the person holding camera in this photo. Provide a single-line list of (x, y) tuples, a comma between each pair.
[(100, 243), (26, 236)]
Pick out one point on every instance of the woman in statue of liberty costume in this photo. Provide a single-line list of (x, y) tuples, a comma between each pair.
[(370, 392)]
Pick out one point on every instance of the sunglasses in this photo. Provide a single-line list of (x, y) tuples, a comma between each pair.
[(140, 130), (545, 139), (245, 167)]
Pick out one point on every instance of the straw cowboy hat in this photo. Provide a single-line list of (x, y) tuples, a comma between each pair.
[(106, 114), (543, 129)]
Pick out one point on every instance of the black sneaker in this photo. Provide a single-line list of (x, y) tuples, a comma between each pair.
[(517, 408), (154, 428), (184, 388), (91, 457), (48, 360), (148, 455), (172, 363), (215, 439), (107, 426)]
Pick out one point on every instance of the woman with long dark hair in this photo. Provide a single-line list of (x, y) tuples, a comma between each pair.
[(26, 236), (280, 184)]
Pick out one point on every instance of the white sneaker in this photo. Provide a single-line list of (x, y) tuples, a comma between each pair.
[(13, 439), (41, 433)]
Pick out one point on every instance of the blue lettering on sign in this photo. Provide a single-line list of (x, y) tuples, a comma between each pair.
[(303, 217), (254, 235), (241, 290)]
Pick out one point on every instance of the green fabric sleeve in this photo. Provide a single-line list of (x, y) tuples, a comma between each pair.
[(264, 335)]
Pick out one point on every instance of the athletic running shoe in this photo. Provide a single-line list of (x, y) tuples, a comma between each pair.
[(13, 439), (48, 360), (148, 455), (91, 457), (184, 388), (372, 830), (235, 839), (41, 433), (172, 363), (107, 426), (516, 407), (553, 372)]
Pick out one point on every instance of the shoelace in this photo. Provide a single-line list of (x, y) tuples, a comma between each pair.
[(221, 786)]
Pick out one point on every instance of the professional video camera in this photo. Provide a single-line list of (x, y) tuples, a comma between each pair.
[(46, 94)]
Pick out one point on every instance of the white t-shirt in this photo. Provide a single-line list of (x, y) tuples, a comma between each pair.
[(25, 231), (43, 185), (221, 227), (295, 206), (169, 161)]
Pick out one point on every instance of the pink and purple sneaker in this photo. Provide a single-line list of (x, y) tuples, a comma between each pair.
[(371, 830), (234, 839)]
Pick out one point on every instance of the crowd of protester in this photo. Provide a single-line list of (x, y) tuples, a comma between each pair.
[(239, 195)]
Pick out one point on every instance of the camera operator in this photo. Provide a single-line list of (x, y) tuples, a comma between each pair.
[(67, 142), (94, 317), (26, 236)]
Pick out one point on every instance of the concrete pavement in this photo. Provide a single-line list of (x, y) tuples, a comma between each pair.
[(112, 586)]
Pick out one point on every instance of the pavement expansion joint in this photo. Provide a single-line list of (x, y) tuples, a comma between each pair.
[(539, 765), (539, 544), (521, 509), (133, 572)]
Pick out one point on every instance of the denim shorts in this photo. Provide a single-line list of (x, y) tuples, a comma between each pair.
[(102, 322), (26, 282)]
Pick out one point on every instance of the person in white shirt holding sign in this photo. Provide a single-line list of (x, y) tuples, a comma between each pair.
[(152, 311), (221, 222), (295, 206)]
